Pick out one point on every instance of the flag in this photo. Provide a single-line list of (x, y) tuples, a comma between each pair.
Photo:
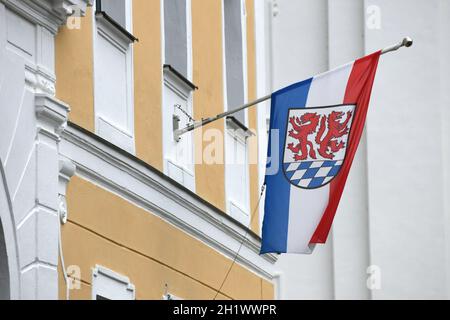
[(315, 128)]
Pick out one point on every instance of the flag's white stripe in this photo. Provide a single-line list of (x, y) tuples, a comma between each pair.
[(329, 88), (307, 206)]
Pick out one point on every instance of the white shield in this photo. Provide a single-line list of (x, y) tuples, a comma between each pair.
[(315, 145)]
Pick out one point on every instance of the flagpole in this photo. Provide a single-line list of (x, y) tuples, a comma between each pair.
[(203, 122), (406, 42)]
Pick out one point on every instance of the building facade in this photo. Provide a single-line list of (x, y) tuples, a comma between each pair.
[(99, 199), (390, 235)]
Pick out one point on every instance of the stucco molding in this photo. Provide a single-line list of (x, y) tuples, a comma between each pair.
[(111, 285), (40, 79), (47, 16), (66, 171), (104, 165), (52, 116), (50, 14)]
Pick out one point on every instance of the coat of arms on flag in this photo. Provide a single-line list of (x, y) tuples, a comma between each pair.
[(315, 144)]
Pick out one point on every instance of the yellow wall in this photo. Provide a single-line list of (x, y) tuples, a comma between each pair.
[(74, 65), (208, 100), (74, 71), (107, 230), (148, 82)]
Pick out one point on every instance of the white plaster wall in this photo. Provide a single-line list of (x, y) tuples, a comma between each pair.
[(299, 40), (394, 213), (17, 154), (444, 29), (351, 226), (405, 164)]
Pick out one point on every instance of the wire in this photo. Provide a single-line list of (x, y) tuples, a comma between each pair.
[(63, 267), (263, 187), (178, 106)]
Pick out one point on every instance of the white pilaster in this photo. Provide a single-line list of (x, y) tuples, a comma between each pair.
[(38, 232), (31, 121)]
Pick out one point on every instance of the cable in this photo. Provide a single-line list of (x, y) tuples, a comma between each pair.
[(63, 267), (178, 106), (263, 187)]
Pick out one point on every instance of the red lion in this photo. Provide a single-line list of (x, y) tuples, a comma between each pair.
[(336, 129), (306, 125), (302, 128)]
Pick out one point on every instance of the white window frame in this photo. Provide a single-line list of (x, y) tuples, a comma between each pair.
[(263, 14), (240, 212), (111, 285), (104, 127), (182, 173)]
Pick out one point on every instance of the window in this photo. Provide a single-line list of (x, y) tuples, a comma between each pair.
[(109, 285), (113, 74), (178, 89), (116, 9), (235, 55), (176, 35), (236, 144)]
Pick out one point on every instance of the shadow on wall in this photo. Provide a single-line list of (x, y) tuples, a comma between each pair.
[(4, 273)]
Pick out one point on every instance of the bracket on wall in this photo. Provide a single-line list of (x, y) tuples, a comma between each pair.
[(183, 88), (176, 125), (66, 171), (176, 121)]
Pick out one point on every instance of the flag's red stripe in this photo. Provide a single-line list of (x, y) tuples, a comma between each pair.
[(358, 91)]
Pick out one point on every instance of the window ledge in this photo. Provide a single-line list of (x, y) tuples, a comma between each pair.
[(237, 212), (173, 72), (181, 175), (235, 124), (104, 17)]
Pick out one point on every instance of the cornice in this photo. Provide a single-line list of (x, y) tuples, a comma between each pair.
[(51, 114), (50, 14)]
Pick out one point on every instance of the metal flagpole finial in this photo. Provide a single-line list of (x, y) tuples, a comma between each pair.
[(406, 42)]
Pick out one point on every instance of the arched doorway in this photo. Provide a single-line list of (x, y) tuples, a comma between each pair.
[(9, 275), (4, 270)]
